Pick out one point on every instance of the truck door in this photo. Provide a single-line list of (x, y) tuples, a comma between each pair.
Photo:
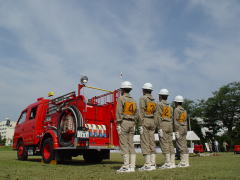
[(18, 133), (30, 126)]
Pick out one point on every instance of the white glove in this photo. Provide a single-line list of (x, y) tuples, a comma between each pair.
[(177, 135), (140, 129), (119, 129), (160, 133)]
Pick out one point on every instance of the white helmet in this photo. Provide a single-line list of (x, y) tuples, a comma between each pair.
[(126, 85), (178, 99), (148, 86), (163, 92)]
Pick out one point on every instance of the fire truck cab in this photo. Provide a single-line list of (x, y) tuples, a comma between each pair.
[(67, 126)]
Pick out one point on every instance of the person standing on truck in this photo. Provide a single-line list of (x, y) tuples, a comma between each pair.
[(180, 125), (147, 126), (165, 129), (127, 115)]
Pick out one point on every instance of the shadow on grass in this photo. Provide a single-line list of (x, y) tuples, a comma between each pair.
[(34, 160), (83, 163), (76, 162), (118, 167)]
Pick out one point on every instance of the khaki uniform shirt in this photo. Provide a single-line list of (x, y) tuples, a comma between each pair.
[(147, 108), (180, 117), (165, 112), (126, 108)]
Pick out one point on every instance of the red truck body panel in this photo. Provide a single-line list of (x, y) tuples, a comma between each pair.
[(41, 119)]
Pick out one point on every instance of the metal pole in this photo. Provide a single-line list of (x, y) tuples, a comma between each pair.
[(189, 122), (98, 89)]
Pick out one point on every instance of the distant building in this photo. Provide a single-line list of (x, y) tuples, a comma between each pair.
[(7, 131)]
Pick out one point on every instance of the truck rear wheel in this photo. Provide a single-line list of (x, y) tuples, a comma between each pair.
[(48, 153), (93, 156), (22, 153)]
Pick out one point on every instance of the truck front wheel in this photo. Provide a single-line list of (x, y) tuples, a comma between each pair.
[(22, 153), (48, 153)]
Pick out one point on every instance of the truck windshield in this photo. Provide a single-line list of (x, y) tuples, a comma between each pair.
[(22, 117)]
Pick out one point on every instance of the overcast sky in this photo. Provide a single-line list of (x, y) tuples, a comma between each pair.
[(190, 47)]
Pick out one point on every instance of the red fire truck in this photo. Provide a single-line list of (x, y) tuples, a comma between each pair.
[(67, 126)]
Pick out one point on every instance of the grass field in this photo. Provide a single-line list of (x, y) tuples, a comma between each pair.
[(226, 166)]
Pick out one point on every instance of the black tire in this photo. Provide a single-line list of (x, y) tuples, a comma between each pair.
[(93, 156), (22, 153), (48, 153)]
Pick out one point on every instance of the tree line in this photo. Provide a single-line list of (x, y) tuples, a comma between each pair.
[(2, 141), (219, 115)]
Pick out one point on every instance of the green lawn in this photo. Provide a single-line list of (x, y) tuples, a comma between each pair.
[(226, 166)]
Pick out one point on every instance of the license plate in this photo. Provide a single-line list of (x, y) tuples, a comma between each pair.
[(83, 134), (30, 152)]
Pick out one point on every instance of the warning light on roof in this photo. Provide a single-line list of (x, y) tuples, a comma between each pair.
[(51, 93), (84, 80)]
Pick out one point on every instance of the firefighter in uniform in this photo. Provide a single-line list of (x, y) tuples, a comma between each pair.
[(180, 126), (147, 114), (127, 115), (165, 129)]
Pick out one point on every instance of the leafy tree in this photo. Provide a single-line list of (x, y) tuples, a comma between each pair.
[(236, 134), (223, 109), (194, 110), (2, 141), (188, 105), (212, 122)]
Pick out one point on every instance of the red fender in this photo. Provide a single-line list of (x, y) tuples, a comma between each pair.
[(53, 134)]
